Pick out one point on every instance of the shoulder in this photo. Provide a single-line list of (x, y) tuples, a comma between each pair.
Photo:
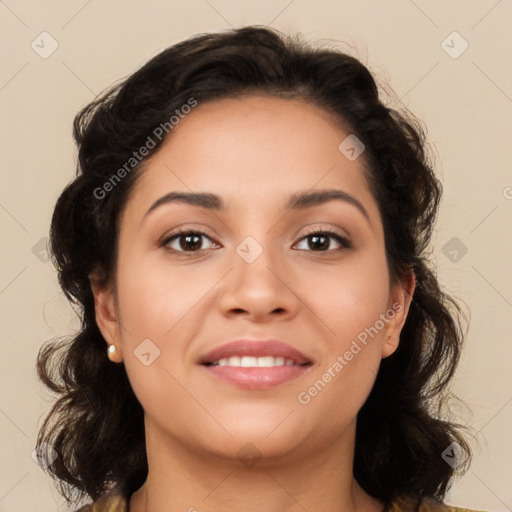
[(85, 508), (111, 500), (409, 504)]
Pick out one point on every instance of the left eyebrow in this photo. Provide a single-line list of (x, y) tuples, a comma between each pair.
[(316, 197), (297, 201)]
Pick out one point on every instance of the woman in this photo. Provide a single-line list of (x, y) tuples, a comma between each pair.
[(247, 240)]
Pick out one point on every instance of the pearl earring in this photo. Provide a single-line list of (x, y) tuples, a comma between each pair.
[(111, 349)]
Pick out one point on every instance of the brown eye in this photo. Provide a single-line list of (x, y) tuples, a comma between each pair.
[(320, 241), (185, 241)]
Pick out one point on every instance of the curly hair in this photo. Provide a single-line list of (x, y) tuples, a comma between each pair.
[(97, 424)]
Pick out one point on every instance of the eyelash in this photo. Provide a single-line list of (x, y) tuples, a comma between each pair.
[(343, 241)]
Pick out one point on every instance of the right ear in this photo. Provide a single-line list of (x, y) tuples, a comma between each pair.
[(106, 315)]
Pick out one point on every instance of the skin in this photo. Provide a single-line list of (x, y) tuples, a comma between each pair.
[(254, 152)]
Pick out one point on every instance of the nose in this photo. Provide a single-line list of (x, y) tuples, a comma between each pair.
[(261, 289)]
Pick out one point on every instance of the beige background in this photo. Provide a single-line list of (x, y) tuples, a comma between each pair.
[(466, 103)]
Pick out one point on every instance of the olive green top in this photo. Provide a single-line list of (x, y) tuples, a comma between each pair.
[(114, 501)]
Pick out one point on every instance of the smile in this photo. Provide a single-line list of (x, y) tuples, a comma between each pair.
[(254, 362)]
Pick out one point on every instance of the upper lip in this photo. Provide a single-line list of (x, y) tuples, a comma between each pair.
[(255, 348)]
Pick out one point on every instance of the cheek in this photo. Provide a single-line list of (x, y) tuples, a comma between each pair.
[(350, 298), (350, 302), (153, 298), (158, 306)]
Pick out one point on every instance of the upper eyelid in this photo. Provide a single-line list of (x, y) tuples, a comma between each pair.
[(182, 231), (205, 231), (331, 232)]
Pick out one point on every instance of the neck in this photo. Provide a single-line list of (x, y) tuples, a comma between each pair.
[(181, 479)]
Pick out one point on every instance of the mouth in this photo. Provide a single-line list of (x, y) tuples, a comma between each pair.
[(253, 364)]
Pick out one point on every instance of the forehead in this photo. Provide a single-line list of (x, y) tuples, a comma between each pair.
[(257, 149)]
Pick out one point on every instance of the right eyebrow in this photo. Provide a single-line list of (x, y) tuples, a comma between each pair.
[(202, 199)]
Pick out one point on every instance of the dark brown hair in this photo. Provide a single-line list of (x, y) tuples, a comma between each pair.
[(96, 425)]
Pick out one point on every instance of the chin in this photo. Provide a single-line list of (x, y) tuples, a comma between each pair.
[(253, 442)]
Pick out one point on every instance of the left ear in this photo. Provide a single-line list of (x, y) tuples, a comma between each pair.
[(399, 302)]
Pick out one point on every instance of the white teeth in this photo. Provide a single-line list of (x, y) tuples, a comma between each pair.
[(267, 361), (254, 362), (245, 361)]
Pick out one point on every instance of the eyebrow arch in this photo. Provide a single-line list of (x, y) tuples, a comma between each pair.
[(297, 201), (316, 197)]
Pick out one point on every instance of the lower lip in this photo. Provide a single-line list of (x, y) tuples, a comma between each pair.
[(256, 377)]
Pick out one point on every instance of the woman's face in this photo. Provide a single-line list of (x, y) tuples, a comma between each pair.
[(253, 269)]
